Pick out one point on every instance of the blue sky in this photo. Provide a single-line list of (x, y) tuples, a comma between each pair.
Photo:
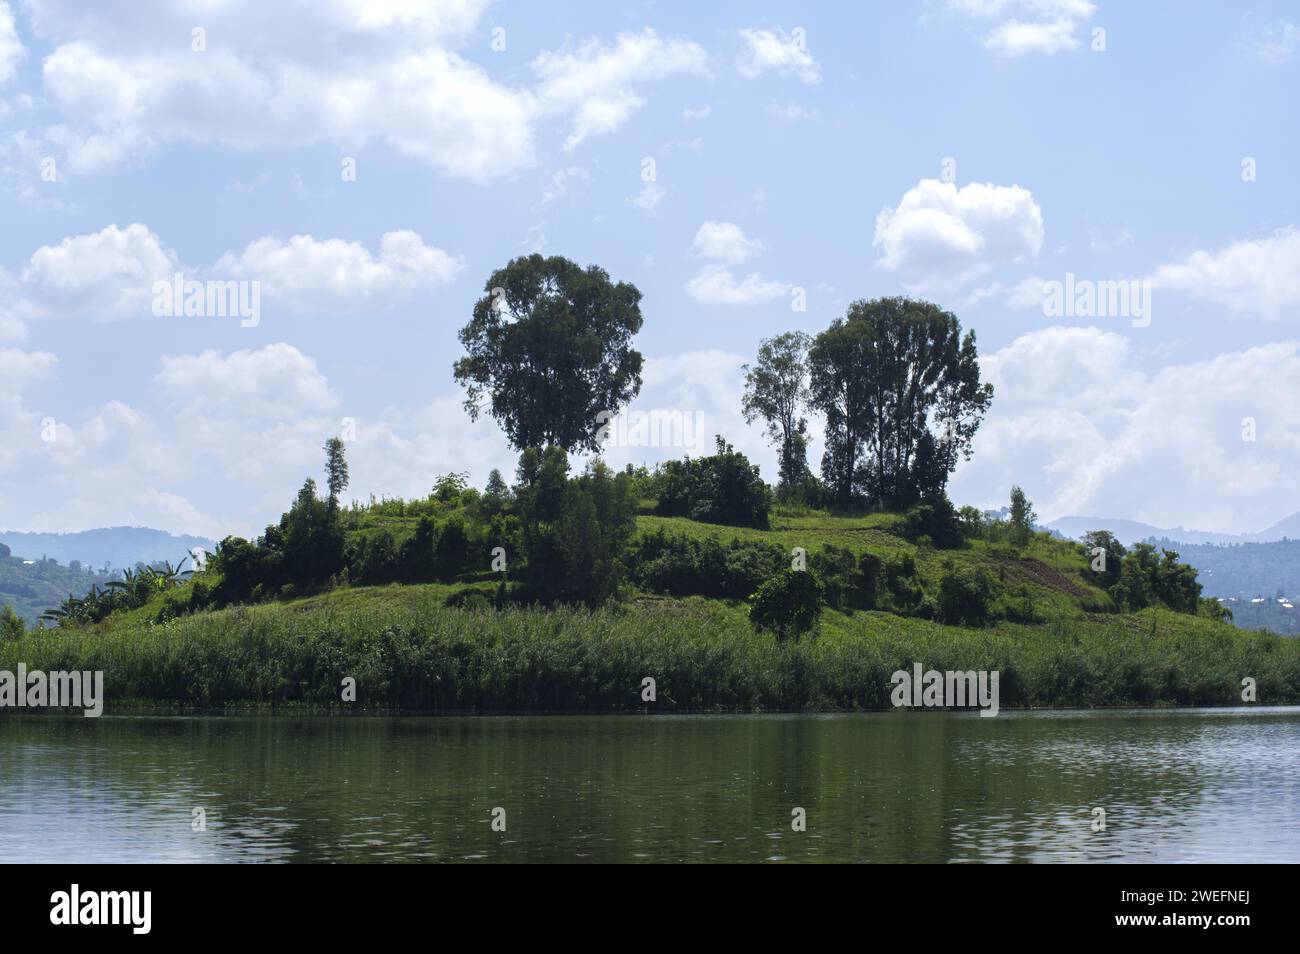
[(796, 149)]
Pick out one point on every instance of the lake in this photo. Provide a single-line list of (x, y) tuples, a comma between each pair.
[(1175, 786)]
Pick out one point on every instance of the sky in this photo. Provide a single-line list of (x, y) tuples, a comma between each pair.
[(364, 166)]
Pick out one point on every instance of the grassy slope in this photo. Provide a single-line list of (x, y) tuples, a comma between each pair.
[(407, 650)]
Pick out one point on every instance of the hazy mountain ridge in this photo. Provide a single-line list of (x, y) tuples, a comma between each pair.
[(118, 547), (1129, 532)]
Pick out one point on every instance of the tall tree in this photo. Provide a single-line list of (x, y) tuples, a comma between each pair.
[(549, 347), (1022, 517), (900, 387), (776, 390), (336, 470)]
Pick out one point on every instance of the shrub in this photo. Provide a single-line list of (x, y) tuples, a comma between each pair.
[(724, 489), (935, 519), (906, 595), (684, 566), (965, 598), (788, 604), (11, 625)]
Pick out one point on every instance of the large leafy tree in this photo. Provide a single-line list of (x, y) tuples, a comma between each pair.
[(776, 390), (549, 347), (900, 388)]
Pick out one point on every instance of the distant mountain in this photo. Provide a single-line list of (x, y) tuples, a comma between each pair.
[(1256, 574), (1129, 532), (119, 547), (30, 587)]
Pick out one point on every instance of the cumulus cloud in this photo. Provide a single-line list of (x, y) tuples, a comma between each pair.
[(126, 82), (1019, 27), (598, 83), (277, 382), (1259, 277), (110, 274), (333, 275), (940, 237), (725, 242), (775, 51), (103, 275), (716, 285), (1084, 422)]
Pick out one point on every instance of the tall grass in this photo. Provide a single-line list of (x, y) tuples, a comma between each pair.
[(407, 651)]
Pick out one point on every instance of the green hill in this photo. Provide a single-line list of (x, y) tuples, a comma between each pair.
[(1057, 639), (30, 587)]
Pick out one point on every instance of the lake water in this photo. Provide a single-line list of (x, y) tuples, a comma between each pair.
[(1176, 786)]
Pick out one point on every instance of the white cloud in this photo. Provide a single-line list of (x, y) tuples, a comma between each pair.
[(790, 112), (940, 237), (110, 274), (127, 83), (1087, 426), (11, 48), (648, 199), (599, 83), (715, 285), (1277, 42), (725, 242), (337, 276), (105, 274), (693, 114), (561, 183), (1258, 277), (1028, 26), (778, 52), (275, 383)]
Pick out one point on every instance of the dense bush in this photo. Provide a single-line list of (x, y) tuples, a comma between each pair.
[(11, 627), (1145, 578), (936, 519), (788, 604), (724, 488), (965, 597), (574, 530), (686, 566)]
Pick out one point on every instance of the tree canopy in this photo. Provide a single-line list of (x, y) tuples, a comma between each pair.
[(776, 390), (900, 388), (549, 347)]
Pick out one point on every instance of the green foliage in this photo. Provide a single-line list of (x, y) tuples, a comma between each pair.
[(724, 488), (407, 650), (11, 625), (29, 588), (776, 391), (574, 530), (1109, 562), (965, 597), (788, 604), (549, 347), (882, 375), (679, 565), (1146, 578), (934, 519), (336, 469), (1021, 522)]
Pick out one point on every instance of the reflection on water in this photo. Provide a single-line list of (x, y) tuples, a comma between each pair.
[(1193, 785)]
